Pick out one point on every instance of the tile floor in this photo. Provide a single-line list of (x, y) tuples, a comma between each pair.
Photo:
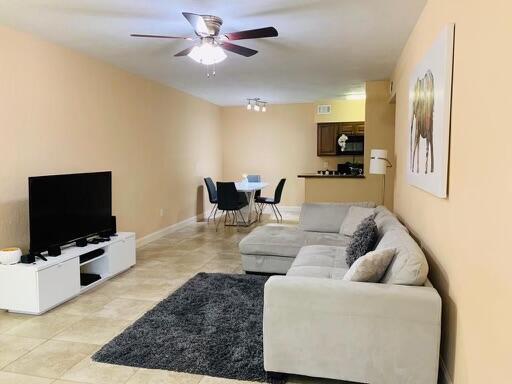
[(56, 347)]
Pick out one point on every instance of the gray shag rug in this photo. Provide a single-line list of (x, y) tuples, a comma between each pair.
[(212, 325)]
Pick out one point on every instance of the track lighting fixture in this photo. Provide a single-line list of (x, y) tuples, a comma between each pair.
[(257, 105)]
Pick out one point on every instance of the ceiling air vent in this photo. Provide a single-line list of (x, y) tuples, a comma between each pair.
[(323, 109)]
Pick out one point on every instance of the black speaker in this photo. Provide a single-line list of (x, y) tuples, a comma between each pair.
[(113, 225), (28, 258), (54, 251), (113, 228)]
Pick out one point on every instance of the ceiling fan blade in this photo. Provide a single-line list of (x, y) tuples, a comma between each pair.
[(252, 34), (197, 22), (185, 52), (247, 52), (161, 36)]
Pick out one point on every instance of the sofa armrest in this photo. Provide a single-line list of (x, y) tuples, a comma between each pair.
[(361, 332)]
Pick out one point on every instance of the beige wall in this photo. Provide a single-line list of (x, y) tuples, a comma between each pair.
[(278, 143), (379, 134), (282, 143), (64, 112), (467, 236), (342, 110)]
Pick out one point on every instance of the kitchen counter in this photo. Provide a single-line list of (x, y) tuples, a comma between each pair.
[(340, 188), (316, 175)]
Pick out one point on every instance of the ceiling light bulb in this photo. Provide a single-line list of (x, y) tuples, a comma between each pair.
[(264, 108), (249, 106), (256, 107), (207, 53)]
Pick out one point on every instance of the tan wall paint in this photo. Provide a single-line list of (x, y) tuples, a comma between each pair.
[(63, 112), (278, 143), (282, 143), (467, 236), (379, 134), (342, 110)]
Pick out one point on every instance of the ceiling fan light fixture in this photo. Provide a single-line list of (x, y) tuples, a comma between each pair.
[(213, 46), (207, 53)]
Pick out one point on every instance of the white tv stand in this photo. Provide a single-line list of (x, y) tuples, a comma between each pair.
[(38, 287)]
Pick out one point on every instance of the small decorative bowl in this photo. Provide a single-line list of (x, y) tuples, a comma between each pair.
[(10, 256)]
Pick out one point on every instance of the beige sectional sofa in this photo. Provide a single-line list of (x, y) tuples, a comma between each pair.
[(317, 324), (273, 247)]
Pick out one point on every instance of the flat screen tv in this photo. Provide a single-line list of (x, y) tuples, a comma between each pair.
[(68, 208)]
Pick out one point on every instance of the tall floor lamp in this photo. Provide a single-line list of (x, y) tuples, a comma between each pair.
[(379, 165)]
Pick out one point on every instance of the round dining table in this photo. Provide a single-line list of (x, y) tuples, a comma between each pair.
[(249, 212)]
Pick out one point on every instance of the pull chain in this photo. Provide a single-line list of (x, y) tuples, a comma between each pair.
[(212, 73)]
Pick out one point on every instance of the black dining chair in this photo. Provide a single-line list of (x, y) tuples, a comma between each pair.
[(212, 196), (230, 202), (272, 201)]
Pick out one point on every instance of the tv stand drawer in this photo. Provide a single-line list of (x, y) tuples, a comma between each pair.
[(122, 255), (58, 283)]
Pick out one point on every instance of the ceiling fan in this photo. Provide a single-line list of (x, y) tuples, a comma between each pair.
[(212, 45)]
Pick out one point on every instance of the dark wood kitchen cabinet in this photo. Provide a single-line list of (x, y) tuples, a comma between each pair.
[(327, 135), (326, 139), (346, 128), (351, 128)]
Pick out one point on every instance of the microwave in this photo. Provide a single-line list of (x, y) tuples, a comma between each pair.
[(354, 146)]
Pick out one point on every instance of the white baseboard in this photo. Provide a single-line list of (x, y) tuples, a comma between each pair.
[(445, 375), (285, 209), (165, 231)]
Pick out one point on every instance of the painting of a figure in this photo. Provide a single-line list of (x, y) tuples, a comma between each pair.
[(429, 116), (422, 121)]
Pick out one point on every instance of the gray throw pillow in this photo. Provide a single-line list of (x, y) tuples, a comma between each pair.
[(363, 240), (353, 218)]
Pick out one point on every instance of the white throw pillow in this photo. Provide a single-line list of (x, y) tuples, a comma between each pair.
[(371, 267), (354, 217)]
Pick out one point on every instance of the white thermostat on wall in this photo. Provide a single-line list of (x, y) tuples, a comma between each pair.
[(323, 109)]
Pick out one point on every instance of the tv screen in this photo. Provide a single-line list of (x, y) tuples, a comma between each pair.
[(65, 208)]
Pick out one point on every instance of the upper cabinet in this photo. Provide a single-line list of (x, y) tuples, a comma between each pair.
[(326, 139), (328, 133), (351, 128)]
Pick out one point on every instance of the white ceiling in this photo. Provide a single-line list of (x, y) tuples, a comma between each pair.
[(325, 48)]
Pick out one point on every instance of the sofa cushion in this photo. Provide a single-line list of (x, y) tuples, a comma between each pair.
[(326, 217), (363, 241), (409, 266), (319, 261), (321, 256), (387, 221), (285, 241), (332, 239), (319, 272), (371, 267), (353, 218), (277, 240)]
